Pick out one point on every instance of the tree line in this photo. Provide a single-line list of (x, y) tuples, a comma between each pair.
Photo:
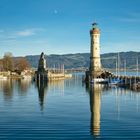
[(13, 64)]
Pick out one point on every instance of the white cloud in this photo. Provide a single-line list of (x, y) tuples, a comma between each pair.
[(12, 37), (29, 32), (26, 32)]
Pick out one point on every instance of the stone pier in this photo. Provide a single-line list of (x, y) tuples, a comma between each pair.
[(43, 74)]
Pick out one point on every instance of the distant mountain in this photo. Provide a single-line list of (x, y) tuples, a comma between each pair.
[(69, 60), (82, 60)]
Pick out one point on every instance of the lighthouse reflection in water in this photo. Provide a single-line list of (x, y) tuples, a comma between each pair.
[(95, 107)]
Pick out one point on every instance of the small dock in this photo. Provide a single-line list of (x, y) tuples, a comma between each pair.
[(132, 82)]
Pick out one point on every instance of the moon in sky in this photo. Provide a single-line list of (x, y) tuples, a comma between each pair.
[(55, 11)]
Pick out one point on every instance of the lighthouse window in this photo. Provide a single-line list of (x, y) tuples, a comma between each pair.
[(95, 36)]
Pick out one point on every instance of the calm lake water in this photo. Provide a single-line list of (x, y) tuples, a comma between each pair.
[(67, 110)]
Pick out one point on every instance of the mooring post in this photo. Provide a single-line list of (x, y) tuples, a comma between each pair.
[(130, 81), (125, 80)]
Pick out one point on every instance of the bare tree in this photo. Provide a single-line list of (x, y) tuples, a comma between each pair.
[(8, 63), (1, 64), (21, 64)]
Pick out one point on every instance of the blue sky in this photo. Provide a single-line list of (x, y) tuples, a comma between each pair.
[(62, 26)]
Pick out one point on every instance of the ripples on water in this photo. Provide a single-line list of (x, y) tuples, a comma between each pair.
[(67, 110)]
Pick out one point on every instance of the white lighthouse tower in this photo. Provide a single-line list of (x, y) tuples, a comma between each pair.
[(95, 62)]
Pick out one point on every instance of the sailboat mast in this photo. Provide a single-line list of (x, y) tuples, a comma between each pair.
[(125, 67), (137, 66), (116, 67), (118, 63)]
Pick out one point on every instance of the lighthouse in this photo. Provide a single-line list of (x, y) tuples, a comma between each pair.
[(95, 62)]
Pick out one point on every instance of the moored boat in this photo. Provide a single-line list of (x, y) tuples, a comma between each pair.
[(99, 80)]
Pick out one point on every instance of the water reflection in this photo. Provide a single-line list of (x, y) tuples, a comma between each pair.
[(42, 90), (120, 99), (56, 87), (23, 86), (23, 114), (95, 107), (7, 87), (95, 91)]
